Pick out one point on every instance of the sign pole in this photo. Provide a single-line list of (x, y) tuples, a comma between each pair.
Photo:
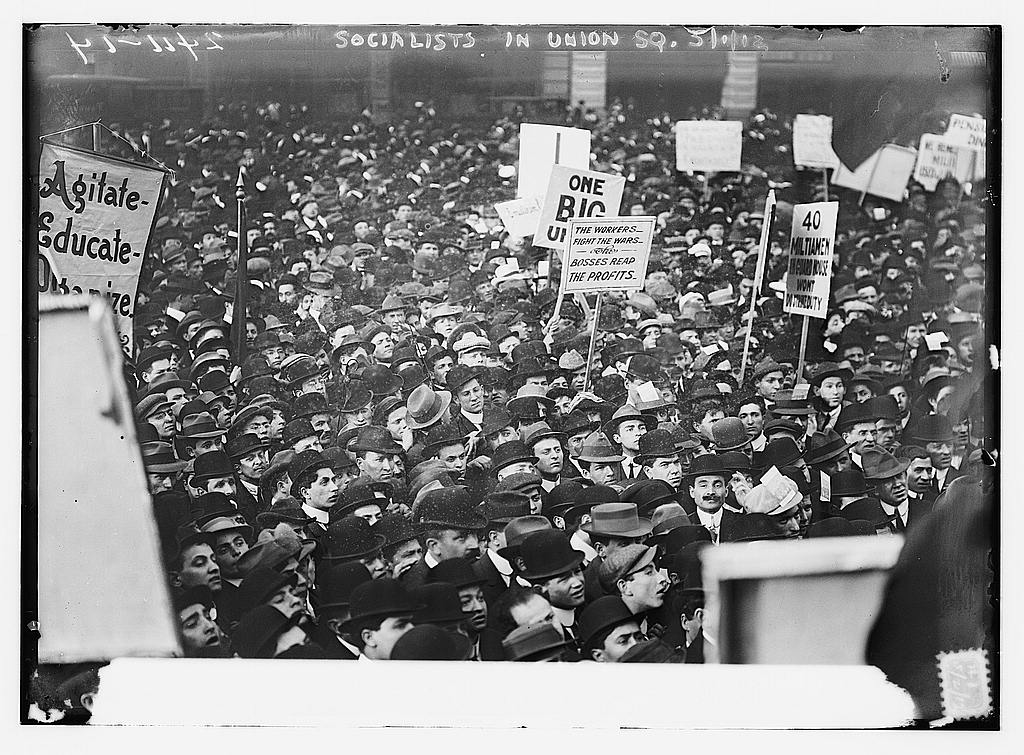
[(593, 340), (766, 232), (241, 272), (824, 181), (96, 137), (551, 252), (803, 348), (874, 167)]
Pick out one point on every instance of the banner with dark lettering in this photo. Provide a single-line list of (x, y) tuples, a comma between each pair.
[(96, 214), (809, 270)]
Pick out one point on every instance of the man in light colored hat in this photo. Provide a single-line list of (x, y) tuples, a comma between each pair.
[(625, 428), (631, 573), (549, 447), (470, 349), (599, 461)]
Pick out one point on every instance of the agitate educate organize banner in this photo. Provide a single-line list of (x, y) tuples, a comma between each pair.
[(96, 215)]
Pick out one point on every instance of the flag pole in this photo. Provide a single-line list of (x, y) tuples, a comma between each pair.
[(241, 272)]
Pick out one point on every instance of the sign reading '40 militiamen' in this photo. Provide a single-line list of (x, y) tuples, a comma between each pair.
[(809, 274)]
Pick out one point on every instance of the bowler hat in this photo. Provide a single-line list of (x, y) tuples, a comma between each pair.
[(308, 404), (617, 520), (735, 461), (396, 528), (349, 538), (790, 427), (644, 367), (577, 422), (547, 554), (539, 431), (461, 374), (495, 420), (848, 483), (868, 510), (607, 612), (356, 396), (307, 461), (380, 380), (380, 598), (511, 452), (212, 465), (854, 414), (301, 369), (426, 406), (450, 508), (258, 629), (502, 506), (441, 435), (822, 447), (287, 510), (622, 562), (245, 415), (656, 444), (245, 444), (517, 531), (884, 407), (427, 642), (456, 571), (296, 430), (839, 526), (534, 642), (376, 439), (932, 428), (356, 495), (778, 453), (649, 495), (729, 434), (260, 584), (879, 465), (334, 584), (707, 464), (440, 603)]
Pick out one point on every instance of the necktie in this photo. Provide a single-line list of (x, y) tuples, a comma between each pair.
[(900, 526), (713, 529), (631, 472)]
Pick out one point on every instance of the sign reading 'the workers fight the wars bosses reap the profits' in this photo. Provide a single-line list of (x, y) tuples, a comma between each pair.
[(809, 271), (96, 214), (607, 253)]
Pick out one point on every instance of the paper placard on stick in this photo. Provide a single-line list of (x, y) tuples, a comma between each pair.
[(884, 174), (607, 253), (938, 158), (96, 214), (708, 146), (825, 487), (812, 142), (966, 131), (520, 216), (573, 193), (541, 147), (809, 271)]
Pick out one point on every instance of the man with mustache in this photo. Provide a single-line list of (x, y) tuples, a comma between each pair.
[(707, 485), (889, 476)]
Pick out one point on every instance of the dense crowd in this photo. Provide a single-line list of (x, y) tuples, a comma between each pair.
[(413, 458)]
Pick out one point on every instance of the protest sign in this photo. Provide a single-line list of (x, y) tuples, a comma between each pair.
[(520, 216), (938, 158), (609, 253), (809, 271), (708, 146), (96, 214), (541, 147), (573, 193), (966, 131), (812, 142), (884, 174)]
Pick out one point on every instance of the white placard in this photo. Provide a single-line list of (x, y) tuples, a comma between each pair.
[(607, 254), (709, 146), (574, 193), (938, 158), (520, 216), (967, 131), (812, 142), (809, 271), (541, 147), (884, 174)]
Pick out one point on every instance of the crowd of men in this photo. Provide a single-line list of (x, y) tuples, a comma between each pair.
[(413, 458)]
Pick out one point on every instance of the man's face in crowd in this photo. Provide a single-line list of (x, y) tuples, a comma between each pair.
[(965, 350), (854, 355), (322, 424), (899, 393), (159, 482), (253, 465), (514, 468), (915, 333), (375, 564), (860, 436), (323, 492), (194, 268), (841, 463), (286, 600), (471, 396), (380, 643), (403, 213), (405, 557), (575, 443), (440, 369), (163, 422), (376, 466), (475, 358), (628, 435), (708, 492), (549, 455), (370, 512), (394, 319), (941, 453), (383, 346), (861, 393), (504, 435), (199, 568), (618, 642), (454, 459), (920, 474), (566, 590), (259, 426), (716, 232), (769, 385), (177, 396), (601, 474), (894, 490), (228, 547), (710, 418), (831, 391), (444, 326), (309, 443), (399, 428), (752, 418), (646, 587), (455, 544), (535, 610), (474, 606), (198, 630), (287, 295), (665, 468), (885, 433), (310, 210), (274, 355), (868, 294)]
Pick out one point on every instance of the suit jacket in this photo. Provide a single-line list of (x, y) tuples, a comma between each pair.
[(330, 644), (728, 519), (490, 646), (494, 584), (247, 505), (695, 650)]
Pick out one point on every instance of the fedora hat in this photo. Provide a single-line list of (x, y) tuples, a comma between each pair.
[(246, 415), (822, 447), (308, 404), (381, 380), (396, 528), (649, 495), (656, 444), (548, 553), (258, 629), (439, 600), (680, 536), (426, 406), (735, 461), (261, 583), (380, 598), (511, 452), (932, 428), (617, 520), (335, 583), (534, 642), (349, 538), (708, 464), (158, 458), (577, 422), (607, 612), (668, 516), (449, 508), (829, 369), (377, 439), (597, 449), (287, 510), (853, 414), (538, 431), (848, 483), (729, 434), (868, 510), (790, 427), (322, 283), (779, 453), (787, 406), (456, 571), (517, 530), (880, 465), (562, 497), (625, 413), (440, 435), (355, 396), (301, 368), (296, 430)]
